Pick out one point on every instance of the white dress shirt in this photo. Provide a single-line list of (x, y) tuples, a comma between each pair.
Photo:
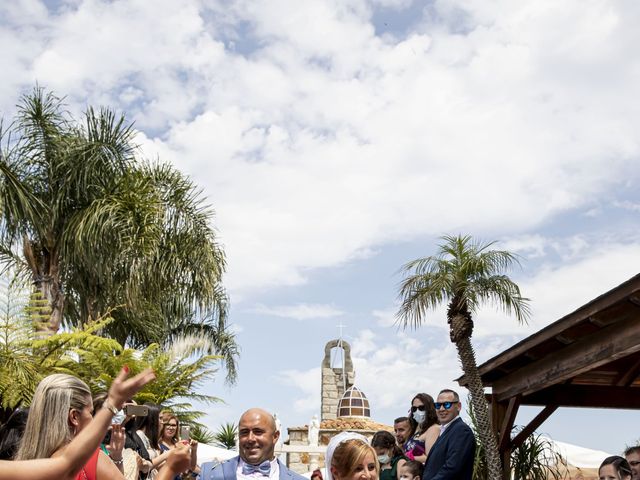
[(446, 425)]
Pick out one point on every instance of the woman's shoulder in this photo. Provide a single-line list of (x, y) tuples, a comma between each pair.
[(429, 432), (435, 428)]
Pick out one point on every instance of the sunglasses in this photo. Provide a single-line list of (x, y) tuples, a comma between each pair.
[(419, 407), (446, 405)]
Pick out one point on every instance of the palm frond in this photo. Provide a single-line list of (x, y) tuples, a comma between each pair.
[(463, 270)]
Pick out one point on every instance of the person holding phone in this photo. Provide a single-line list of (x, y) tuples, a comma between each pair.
[(169, 439), (135, 448), (60, 425), (148, 429)]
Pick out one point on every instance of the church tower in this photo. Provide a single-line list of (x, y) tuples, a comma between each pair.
[(337, 377)]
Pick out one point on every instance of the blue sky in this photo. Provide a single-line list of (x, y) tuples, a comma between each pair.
[(338, 140)]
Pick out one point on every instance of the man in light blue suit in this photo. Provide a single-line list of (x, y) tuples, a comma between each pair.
[(257, 440)]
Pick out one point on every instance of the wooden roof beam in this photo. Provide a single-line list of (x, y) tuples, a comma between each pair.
[(563, 339), (628, 377), (586, 396), (587, 312), (533, 425), (609, 344), (507, 423)]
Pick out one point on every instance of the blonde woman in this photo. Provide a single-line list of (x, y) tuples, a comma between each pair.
[(350, 457), (170, 439), (73, 455)]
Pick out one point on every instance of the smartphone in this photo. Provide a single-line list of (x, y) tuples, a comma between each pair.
[(185, 432), (137, 410)]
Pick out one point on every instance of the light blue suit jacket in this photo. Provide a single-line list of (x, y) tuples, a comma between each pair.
[(227, 471)]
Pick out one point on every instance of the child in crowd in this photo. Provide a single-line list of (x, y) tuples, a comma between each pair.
[(411, 470)]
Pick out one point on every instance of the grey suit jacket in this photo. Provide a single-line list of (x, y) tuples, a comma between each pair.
[(227, 471)]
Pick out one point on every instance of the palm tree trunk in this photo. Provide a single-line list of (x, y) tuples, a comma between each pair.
[(46, 279), (467, 357)]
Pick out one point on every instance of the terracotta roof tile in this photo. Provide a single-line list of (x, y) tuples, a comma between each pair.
[(353, 423)]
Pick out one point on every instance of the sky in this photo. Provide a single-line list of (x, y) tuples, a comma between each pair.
[(339, 139)]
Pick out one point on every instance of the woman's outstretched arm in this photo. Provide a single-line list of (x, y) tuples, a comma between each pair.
[(77, 453)]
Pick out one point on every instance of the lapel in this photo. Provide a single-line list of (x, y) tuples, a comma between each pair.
[(284, 471), (229, 468), (452, 426), (441, 438)]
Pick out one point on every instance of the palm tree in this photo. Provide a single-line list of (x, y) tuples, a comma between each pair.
[(99, 231), (225, 436), (465, 274)]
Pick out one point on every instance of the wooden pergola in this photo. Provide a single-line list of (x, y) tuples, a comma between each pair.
[(589, 358)]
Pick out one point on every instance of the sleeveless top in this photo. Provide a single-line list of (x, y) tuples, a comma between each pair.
[(391, 473), (90, 469), (415, 446)]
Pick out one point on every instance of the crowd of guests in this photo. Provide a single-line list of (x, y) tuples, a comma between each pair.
[(66, 433), (433, 441), (432, 436)]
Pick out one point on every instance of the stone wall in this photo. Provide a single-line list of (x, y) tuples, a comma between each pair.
[(300, 462)]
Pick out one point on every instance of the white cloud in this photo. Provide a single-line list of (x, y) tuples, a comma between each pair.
[(309, 383), (627, 205), (557, 289), (364, 343), (301, 311), (325, 142), (385, 318), (529, 246)]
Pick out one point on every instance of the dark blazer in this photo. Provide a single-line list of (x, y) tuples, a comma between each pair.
[(451, 457), (227, 471)]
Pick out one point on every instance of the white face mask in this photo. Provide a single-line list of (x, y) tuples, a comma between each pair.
[(419, 416), (118, 417), (384, 459)]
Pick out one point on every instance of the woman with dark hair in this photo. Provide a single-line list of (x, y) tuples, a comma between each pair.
[(148, 430), (424, 421), (390, 455), (614, 468), (11, 433)]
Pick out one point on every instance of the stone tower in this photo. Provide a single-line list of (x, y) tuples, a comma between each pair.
[(335, 381)]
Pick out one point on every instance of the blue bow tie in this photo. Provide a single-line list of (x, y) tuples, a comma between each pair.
[(264, 468)]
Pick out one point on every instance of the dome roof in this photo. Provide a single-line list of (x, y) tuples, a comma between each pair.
[(354, 403)]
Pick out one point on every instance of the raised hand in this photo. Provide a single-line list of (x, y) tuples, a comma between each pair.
[(116, 445), (122, 389)]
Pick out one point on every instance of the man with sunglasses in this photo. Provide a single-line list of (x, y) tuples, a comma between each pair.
[(451, 457)]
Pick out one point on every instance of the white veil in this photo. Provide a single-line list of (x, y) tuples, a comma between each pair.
[(333, 443)]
